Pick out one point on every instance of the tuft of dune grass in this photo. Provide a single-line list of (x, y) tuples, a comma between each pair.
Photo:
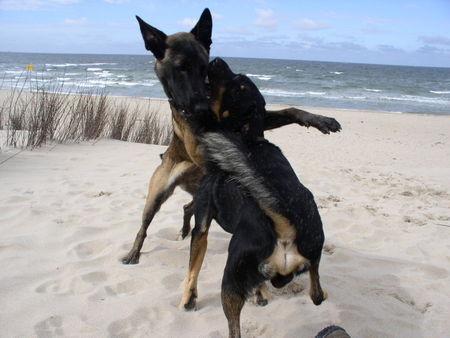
[(50, 113)]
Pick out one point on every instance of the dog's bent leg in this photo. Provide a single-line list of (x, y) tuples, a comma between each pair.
[(315, 290), (232, 304), (278, 118), (162, 184), (188, 210)]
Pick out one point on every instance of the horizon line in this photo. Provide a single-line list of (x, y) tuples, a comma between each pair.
[(236, 57)]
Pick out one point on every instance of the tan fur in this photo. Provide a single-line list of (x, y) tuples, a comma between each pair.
[(197, 254), (285, 257), (190, 142), (177, 168), (217, 102), (262, 293)]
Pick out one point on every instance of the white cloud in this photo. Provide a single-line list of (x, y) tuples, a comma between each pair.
[(80, 21), (187, 22), (311, 25), (265, 19)]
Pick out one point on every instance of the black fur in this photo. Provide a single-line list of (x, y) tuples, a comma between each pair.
[(246, 177)]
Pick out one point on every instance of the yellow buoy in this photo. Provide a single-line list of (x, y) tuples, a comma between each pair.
[(30, 67)]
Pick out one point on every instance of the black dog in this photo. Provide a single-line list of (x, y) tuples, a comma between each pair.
[(251, 190)]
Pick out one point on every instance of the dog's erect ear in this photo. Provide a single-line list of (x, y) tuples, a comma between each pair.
[(203, 29), (155, 40)]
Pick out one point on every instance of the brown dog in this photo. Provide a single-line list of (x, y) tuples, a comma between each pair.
[(182, 65)]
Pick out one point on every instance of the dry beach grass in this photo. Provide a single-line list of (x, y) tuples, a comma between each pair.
[(50, 113)]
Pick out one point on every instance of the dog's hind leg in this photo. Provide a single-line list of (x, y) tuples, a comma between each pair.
[(315, 291), (232, 304), (199, 243), (162, 184)]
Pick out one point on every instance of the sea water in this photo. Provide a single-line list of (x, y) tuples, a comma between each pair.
[(400, 89)]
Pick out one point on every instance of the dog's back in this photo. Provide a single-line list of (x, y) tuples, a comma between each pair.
[(259, 174)]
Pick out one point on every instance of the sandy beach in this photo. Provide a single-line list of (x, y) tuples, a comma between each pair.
[(70, 212)]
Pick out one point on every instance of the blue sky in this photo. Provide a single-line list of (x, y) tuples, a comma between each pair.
[(408, 32)]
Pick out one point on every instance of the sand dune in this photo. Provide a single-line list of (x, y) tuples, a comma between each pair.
[(69, 213)]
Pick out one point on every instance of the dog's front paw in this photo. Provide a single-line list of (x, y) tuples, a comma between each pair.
[(325, 124), (131, 258), (189, 301), (319, 297), (183, 234), (260, 300)]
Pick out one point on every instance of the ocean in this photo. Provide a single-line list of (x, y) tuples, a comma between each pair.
[(400, 89)]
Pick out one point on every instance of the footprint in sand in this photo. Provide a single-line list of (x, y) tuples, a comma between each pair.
[(253, 329), (67, 325), (125, 288), (173, 281), (413, 220), (51, 326), (170, 234), (91, 249), (173, 258), (128, 287), (77, 285), (328, 249), (405, 299), (143, 322)]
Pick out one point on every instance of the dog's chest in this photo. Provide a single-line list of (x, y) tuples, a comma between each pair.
[(189, 140)]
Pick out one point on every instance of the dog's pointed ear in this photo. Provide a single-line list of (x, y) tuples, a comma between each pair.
[(203, 29), (155, 40)]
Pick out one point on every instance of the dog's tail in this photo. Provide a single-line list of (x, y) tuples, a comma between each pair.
[(229, 157)]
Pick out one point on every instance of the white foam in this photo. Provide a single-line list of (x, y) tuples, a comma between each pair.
[(121, 83), (260, 76), (420, 99), (14, 71), (440, 92), (79, 64), (61, 65), (286, 93), (373, 90)]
